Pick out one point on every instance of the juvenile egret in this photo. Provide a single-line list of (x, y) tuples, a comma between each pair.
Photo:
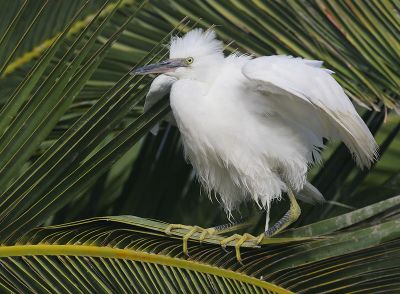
[(251, 127)]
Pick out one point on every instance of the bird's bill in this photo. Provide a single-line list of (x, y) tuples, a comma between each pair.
[(165, 66)]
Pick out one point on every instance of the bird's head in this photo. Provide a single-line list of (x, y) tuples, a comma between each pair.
[(190, 56)]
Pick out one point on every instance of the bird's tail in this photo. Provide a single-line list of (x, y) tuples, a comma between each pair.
[(310, 194)]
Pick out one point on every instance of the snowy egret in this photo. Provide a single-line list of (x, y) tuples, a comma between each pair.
[(251, 127)]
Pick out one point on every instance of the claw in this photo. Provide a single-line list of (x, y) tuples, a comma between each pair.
[(186, 238), (207, 232), (192, 230), (229, 239), (172, 227), (240, 239)]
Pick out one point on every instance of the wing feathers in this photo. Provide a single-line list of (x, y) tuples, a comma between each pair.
[(295, 79)]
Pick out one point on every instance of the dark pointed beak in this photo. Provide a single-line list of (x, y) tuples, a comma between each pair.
[(165, 66)]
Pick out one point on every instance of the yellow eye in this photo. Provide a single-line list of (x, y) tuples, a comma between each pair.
[(189, 60)]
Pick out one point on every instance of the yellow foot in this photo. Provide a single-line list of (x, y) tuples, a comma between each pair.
[(191, 230), (239, 240)]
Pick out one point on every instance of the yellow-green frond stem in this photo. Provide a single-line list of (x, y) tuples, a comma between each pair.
[(116, 253)]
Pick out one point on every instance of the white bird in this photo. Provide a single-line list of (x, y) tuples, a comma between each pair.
[(251, 127)]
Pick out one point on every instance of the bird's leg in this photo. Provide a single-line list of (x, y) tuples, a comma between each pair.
[(288, 218), (204, 232)]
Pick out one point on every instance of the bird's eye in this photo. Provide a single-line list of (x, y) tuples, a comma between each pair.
[(189, 60)]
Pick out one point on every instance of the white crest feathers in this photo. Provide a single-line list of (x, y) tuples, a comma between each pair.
[(196, 43)]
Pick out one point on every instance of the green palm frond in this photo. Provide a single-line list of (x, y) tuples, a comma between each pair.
[(42, 186), (50, 27), (125, 253)]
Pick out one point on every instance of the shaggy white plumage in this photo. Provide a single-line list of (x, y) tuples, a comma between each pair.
[(252, 127)]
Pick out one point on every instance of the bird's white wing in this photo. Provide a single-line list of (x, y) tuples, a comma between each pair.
[(160, 86), (309, 95)]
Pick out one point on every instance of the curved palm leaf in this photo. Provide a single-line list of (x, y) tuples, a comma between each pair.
[(121, 254), (56, 15), (73, 155)]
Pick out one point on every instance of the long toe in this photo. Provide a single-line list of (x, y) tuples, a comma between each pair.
[(171, 227), (239, 240), (207, 232), (191, 231), (246, 237), (226, 241), (187, 237)]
